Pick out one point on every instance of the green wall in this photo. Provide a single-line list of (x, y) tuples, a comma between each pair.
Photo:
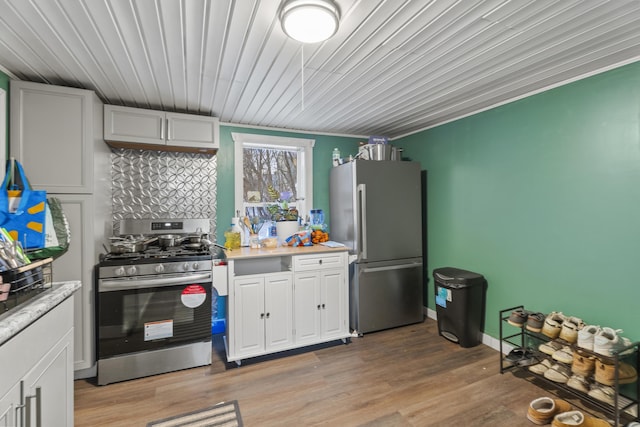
[(542, 197), (321, 166)]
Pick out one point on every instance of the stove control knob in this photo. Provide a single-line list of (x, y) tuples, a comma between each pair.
[(185, 266), (131, 270), (195, 265), (119, 271), (159, 268)]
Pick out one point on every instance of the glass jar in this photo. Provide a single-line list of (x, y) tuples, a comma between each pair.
[(254, 241)]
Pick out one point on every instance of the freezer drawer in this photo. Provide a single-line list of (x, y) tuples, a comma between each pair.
[(385, 295)]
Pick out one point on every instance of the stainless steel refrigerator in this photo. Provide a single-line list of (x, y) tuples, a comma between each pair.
[(375, 209)]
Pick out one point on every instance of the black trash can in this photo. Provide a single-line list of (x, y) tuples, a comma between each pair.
[(460, 300)]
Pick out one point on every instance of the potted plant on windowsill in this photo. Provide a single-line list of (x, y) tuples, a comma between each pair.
[(285, 216)]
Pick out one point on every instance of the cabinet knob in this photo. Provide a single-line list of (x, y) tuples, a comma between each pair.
[(323, 306), (268, 314), (318, 306), (262, 315), (320, 262)]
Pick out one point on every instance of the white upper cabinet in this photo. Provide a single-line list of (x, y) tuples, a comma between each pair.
[(129, 127), (51, 132)]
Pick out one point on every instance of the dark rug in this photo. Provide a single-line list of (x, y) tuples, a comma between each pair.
[(225, 414)]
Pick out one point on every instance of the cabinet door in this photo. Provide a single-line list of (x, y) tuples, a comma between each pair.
[(188, 130), (249, 316), (8, 407), (126, 124), (307, 307), (278, 311), (334, 303), (53, 377), (52, 135), (77, 264)]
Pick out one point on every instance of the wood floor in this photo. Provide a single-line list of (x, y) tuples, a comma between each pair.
[(407, 376)]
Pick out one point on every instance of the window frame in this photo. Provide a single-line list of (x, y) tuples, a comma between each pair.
[(305, 165)]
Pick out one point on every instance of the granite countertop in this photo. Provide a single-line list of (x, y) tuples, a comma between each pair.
[(244, 253), (18, 318)]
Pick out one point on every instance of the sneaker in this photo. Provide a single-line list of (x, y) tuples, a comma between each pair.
[(578, 382), (540, 368), (583, 364), (518, 317), (608, 342), (606, 373), (586, 336), (550, 347), (543, 409), (535, 321), (577, 418), (558, 373), (602, 392), (570, 328), (564, 355), (553, 324)]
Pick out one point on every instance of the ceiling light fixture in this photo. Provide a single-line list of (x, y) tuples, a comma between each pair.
[(309, 21)]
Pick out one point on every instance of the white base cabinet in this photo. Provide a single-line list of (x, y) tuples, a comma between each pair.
[(37, 378), (263, 316), (284, 302)]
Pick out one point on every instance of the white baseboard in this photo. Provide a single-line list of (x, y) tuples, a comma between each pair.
[(487, 340)]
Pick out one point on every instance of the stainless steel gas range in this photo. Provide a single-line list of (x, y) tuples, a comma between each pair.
[(154, 306)]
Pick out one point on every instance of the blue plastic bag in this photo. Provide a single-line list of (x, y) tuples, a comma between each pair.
[(26, 221)]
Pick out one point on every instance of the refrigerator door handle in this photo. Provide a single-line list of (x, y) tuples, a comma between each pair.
[(391, 267), (362, 213)]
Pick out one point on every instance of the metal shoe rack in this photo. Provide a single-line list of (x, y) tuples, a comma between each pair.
[(625, 407)]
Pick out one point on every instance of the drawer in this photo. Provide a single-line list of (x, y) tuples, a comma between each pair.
[(319, 262)]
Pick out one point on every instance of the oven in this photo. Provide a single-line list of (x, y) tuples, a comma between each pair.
[(153, 312)]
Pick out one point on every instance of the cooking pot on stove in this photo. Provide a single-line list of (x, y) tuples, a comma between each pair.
[(129, 244), (170, 240)]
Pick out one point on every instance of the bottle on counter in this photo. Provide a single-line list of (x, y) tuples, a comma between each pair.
[(235, 226), (231, 238)]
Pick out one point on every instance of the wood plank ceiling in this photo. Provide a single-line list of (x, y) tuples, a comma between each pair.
[(394, 66)]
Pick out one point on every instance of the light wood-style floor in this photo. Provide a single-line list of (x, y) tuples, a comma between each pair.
[(407, 376)]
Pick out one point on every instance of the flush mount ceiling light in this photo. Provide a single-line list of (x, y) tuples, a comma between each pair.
[(309, 21)]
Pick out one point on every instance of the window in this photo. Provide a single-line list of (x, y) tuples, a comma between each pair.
[(285, 164)]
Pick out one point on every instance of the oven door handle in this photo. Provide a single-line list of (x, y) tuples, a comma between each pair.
[(155, 282)]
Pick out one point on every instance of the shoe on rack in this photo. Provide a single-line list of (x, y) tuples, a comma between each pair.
[(535, 321), (553, 324), (583, 364), (577, 418), (550, 347), (543, 409), (521, 357), (558, 373), (518, 317), (608, 342), (564, 355), (586, 336), (602, 393), (606, 373), (578, 382), (570, 328), (540, 368)]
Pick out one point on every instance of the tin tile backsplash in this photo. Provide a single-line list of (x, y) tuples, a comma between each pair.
[(159, 184)]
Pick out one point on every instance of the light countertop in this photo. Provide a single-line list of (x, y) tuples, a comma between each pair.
[(18, 318), (244, 253)]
